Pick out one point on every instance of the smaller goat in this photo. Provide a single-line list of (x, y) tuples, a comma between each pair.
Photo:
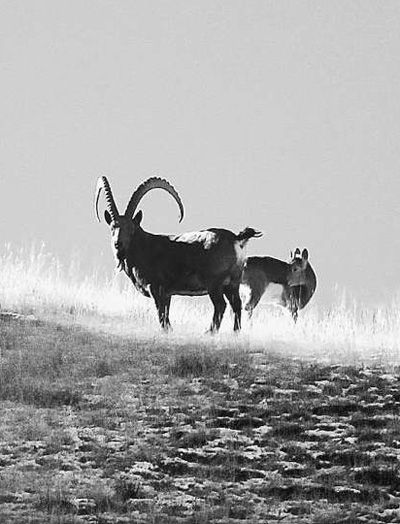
[(296, 277)]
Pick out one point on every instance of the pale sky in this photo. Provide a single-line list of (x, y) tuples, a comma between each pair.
[(280, 115)]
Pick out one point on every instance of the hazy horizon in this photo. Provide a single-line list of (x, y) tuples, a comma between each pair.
[(283, 116)]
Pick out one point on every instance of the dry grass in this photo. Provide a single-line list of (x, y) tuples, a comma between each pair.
[(105, 419), (34, 282)]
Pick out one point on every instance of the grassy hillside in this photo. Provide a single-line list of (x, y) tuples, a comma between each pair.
[(110, 429), (103, 419)]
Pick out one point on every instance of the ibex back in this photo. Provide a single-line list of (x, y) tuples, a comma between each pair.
[(296, 277), (199, 263)]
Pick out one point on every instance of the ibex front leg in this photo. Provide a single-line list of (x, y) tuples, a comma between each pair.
[(217, 299), (162, 301)]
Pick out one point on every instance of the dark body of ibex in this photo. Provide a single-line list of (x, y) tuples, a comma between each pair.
[(199, 263), (296, 277)]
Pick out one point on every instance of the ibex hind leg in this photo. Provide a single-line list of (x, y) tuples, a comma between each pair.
[(232, 294), (217, 298), (166, 325)]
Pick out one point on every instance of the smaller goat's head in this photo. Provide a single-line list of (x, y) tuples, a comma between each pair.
[(297, 268), (123, 227)]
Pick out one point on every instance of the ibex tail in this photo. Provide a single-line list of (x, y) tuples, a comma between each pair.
[(247, 233)]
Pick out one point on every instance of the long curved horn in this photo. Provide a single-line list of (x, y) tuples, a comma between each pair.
[(102, 183), (145, 187)]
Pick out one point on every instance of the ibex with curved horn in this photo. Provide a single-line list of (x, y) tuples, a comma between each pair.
[(199, 263), (296, 277)]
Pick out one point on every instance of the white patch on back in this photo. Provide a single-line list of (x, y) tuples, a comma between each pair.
[(206, 238)]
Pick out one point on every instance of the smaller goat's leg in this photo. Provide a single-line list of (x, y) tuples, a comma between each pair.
[(291, 302), (251, 304)]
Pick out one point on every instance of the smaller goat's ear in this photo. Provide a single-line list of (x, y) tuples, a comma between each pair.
[(304, 254), (297, 252), (138, 218), (107, 217)]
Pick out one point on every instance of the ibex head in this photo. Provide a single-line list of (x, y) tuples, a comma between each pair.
[(297, 268), (123, 227)]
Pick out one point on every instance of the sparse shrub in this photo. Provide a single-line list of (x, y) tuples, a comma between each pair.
[(31, 374), (56, 499), (203, 361), (42, 393), (335, 516), (380, 475), (103, 367), (127, 487), (196, 363), (288, 430), (104, 497), (32, 427), (339, 407), (332, 389), (360, 421), (311, 373), (194, 438), (296, 452), (259, 392), (60, 438), (60, 519), (369, 435)]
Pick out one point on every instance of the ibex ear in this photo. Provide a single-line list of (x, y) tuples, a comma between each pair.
[(138, 218), (297, 252), (107, 217), (304, 254)]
